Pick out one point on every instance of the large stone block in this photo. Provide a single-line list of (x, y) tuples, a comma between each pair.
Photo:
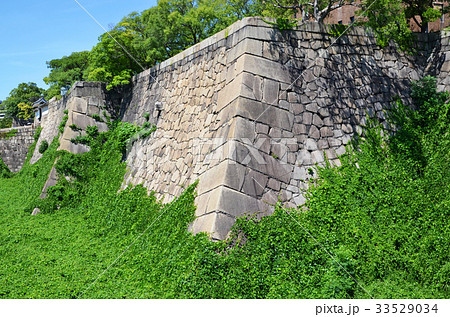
[(230, 174), (249, 155), (216, 225), (265, 113), (243, 128), (271, 91), (246, 46), (78, 105), (261, 66), (81, 121), (254, 183)]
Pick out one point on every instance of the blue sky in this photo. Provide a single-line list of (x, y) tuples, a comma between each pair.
[(33, 32)]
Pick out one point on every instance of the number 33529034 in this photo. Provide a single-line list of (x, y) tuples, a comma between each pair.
[(406, 308)]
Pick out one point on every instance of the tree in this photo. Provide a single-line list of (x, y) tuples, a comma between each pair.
[(388, 20), (25, 111), (65, 71), (238, 9), (26, 93), (316, 10), (140, 41), (424, 9), (114, 58)]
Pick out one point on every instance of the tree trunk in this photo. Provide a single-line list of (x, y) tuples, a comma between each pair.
[(424, 27)]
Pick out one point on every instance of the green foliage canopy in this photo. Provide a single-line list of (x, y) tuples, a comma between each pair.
[(26, 93), (65, 71), (141, 40)]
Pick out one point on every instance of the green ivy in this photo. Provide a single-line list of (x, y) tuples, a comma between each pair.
[(4, 170)]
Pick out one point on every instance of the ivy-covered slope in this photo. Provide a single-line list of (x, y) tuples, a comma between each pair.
[(376, 226)]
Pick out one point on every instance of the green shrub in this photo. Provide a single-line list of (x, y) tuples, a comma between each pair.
[(91, 134), (4, 170), (106, 116), (43, 147), (146, 116), (5, 123), (74, 127), (97, 117), (9, 134)]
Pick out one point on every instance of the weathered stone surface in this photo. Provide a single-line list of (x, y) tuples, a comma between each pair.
[(81, 121), (314, 132), (307, 118), (226, 173), (218, 225), (271, 91), (79, 105), (14, 150), (233, 203), (35, 211), (265, 113), (262, 67), (326, 132), (254, 184), (317, 121), (310, 145)]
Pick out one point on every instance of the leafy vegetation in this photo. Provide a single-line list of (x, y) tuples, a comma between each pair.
[(25, 94), (43, 147), (37, 133), (389, 19), (378, 225), (303, 10), (65, 71), (25, 111), (63, 123), (5, 123), (4, 170)]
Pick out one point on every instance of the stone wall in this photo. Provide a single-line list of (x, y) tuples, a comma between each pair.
[(14, 150), (85, 100), (49, 123), (251, 111), (438, 62)]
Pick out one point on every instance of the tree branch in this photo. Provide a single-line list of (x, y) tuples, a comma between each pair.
[(417, 22)]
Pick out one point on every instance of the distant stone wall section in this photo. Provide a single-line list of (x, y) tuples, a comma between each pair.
[(14, 150), (50, 124), (438, 62), (84, 100)]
